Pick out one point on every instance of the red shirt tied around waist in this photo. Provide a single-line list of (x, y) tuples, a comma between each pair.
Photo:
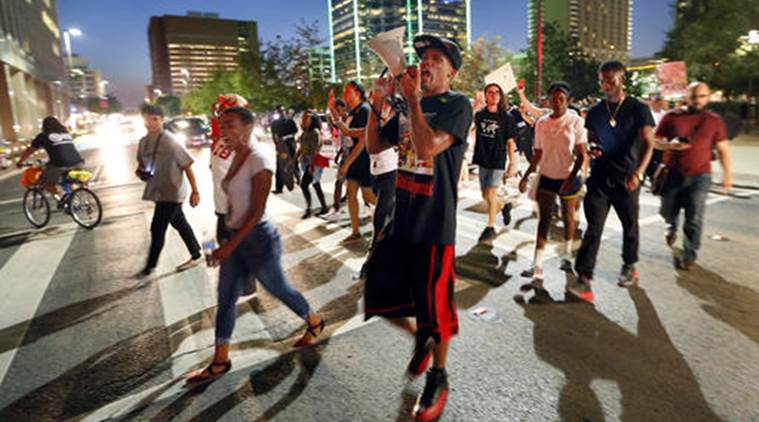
[(704, 129)]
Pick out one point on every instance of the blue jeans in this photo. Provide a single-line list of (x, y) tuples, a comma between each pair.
[(259, 256), (687, 193)]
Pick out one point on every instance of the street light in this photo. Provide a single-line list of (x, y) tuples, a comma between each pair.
[(67, 34)]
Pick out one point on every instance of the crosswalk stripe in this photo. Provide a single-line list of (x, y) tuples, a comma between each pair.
[(19, 302)]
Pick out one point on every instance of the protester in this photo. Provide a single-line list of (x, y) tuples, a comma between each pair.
[(620, 133), (344, 147), (161, 164), (283, 131), (411, 270), (658, 110), (255, 248), (59, 146), (493, 149), (356, 167), (384, 170), (696, 131), (560, 140), (306, 156)]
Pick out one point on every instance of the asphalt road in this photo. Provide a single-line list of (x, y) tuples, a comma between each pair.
[(81, 340)]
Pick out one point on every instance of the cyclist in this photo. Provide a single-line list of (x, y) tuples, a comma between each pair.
[(59, 146)]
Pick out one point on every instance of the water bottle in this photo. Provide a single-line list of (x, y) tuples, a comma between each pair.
[(208, 247)]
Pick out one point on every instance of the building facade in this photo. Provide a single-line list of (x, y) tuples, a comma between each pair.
[(602, 28), (353, 23), (185, 51), (319, 64), (31, 67), (83, 81)]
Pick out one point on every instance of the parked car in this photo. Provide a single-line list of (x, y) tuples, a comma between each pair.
[(192, 131)]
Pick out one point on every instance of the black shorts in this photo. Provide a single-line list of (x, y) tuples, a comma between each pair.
[(404, 280), (359, 171), (550, 185)]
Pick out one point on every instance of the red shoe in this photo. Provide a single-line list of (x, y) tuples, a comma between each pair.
[(581, 289), (420, 360), (430, 404)]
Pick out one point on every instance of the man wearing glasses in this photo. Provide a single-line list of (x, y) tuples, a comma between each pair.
[(690, 136)]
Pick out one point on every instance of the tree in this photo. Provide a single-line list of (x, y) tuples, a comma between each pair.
[(170, 105), (707, 36), (483, 57), (562, 60)]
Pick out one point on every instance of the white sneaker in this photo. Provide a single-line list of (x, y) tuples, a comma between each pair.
[(189, 264), (332, 216)]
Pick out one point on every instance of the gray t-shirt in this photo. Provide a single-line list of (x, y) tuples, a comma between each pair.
[(168, 183), (239, 187)]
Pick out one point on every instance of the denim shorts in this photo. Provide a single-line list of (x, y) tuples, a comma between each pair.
[(490, 178)]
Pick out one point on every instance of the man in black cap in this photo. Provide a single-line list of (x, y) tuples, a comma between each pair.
[(410, 272), (283, 130)]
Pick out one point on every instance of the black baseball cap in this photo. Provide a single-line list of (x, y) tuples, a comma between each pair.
[(448, 47), (559, 86)]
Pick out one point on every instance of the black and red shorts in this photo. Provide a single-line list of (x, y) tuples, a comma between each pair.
[(404, 280)]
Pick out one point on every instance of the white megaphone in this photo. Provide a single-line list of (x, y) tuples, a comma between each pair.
[(389, 46)]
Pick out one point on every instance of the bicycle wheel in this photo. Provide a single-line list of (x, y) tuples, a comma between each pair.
[(85, 208), (36, 207)]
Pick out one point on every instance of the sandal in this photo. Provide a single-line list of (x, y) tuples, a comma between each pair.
[(310, 329), (351, 239), (207, 375)]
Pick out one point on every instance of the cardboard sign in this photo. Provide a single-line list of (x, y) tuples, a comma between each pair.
[(673, 79), (504, 77)]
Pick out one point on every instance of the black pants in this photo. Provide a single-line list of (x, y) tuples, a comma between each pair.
[(287, 172), (384, 189), (306, 181), (605, 192), (169, 213)]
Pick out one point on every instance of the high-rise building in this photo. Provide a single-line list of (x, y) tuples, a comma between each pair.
[(83, 81), (354, 22), (319, 64), (185, 51), (602, 28), (31, 68)]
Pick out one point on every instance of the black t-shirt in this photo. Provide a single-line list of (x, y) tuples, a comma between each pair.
[(493, 129), (426, 190), (620, 143), (285, 129), (359, 117), (60, 148)]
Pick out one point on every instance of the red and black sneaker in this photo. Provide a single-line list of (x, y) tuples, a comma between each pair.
[(420, 360), (581, 288), (431, 402)]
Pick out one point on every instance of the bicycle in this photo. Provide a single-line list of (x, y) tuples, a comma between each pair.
[(78, 200)]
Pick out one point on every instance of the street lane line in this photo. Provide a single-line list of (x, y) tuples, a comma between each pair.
[(23, 285)]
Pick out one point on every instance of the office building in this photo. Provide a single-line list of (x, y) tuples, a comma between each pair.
[(83, 81), (31, 68), (319, 64), (602, 28), (354, 22), (185, 51)]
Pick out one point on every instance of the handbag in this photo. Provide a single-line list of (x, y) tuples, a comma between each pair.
[(321, 161), (146, 174)]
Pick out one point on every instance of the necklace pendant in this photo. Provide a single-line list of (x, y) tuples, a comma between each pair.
[(613, 122)]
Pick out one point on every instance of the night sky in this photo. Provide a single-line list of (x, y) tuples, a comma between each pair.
[(115, 32)]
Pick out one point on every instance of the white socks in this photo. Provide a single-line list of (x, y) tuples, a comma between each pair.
[(538, 261)]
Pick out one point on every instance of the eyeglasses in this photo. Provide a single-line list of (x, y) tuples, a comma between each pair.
[(492, 93)]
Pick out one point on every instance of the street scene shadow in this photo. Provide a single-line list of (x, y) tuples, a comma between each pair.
[(653, 378), (733, 304)]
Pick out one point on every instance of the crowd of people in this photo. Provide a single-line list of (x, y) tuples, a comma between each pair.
[(402, 145)]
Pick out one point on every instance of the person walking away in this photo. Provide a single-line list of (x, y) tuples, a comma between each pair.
[(255, 248), (162, 164), (560, 140), (493, 150), (345, 145), (410, 273), (310, 145), (620, 134), (698, 131)]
